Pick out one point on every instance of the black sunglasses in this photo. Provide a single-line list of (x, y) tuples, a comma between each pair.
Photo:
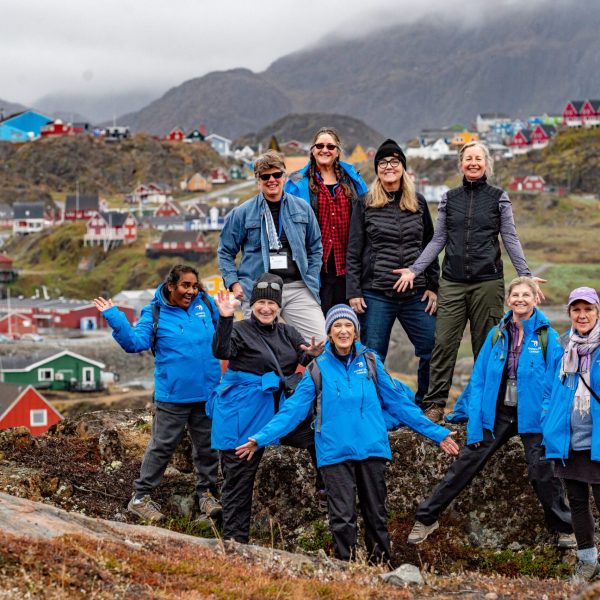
[(330, 147), (267, 176), (263, 285)]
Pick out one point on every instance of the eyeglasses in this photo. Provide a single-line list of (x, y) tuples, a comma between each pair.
[(330, 147), (263, 285), (393, 162), (267, 176)]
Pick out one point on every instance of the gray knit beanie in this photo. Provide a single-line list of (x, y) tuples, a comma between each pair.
[(341, 311)]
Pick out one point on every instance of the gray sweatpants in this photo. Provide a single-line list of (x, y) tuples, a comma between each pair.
[(299, 309), (168, 428)]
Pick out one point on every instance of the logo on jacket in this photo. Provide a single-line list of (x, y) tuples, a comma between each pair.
[(535, 343), (200, 311), (360, 368)]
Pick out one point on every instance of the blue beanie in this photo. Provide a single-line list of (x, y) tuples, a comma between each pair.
[(341, 311)]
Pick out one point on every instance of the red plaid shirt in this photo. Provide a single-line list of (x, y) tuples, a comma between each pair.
[(334, 221)]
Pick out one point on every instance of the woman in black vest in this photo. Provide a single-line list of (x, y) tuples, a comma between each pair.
[(389, 228), (470, 219)]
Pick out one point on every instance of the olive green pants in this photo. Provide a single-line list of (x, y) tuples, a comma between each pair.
[(482, 305)]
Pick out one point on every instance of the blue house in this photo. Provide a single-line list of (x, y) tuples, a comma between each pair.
[(23, 127)]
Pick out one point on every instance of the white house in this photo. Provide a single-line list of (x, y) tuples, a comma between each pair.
[(221, 144)]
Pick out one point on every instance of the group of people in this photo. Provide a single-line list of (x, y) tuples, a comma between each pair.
[(321, 266)]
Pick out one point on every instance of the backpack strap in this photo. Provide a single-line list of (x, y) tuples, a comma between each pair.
[(155, 316), (206, 301), (543, 339), (372, 367), (315, 372), (495, 335)]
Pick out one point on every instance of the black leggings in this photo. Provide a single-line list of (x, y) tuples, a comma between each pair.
[(578, 493)]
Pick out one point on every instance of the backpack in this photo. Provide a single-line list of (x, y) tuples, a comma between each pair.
[(542, 336), (156, 315), (315, 373)]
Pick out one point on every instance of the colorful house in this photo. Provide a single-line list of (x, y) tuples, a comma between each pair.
[(190, 245), (465, 137), (527, 183), (198, 183), (24, 406), (358, 155), (590, 113), (169, 208), (81, 207), (53, 369), (219, 175), (56, 128), (175, 135), (110, 229), (213, 284), (24, 126), (198, 210), (572, 113), (195, 135), (221, 145), (7, 272), (16, 324), (29, 217)]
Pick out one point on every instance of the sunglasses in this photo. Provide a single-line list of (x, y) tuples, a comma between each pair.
[(267, 176), (330, 147), (263, 285)]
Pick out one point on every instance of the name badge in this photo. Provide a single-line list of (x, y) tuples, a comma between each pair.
[(278, 261)]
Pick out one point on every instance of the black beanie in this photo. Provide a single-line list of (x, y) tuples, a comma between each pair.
[(267, 292), (389, 148)]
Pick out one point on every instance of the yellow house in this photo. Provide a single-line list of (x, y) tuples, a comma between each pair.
[(198, 183), (213, 284), (460, 139), (294, 163), (358, 155)]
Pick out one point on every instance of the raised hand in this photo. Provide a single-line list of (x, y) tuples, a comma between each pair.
[(405, 281), (539, 280), (448, 445), (102, 304), (225, 304), (315, 347)]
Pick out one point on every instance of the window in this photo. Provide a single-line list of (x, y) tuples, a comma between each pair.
[(87, 374), (45, 374), (38, 418)]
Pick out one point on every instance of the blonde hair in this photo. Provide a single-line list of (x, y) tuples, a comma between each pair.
[(489, 161), (530, 283), (377, 197)]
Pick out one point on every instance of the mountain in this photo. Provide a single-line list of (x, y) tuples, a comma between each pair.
[(9, 108), (399, 79), (302, 127)]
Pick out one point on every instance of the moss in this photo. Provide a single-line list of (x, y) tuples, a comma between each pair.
[(316, 537)]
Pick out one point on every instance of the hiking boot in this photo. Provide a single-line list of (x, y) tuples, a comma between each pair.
[(321, 498), (566, 541), (146, 509), (585, 571), (435, 413), (210, 506), (420, 532)]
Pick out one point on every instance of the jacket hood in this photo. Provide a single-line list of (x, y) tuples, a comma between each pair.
[(159, 297)]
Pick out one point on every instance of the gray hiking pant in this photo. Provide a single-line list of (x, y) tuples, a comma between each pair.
[(168, 428), (481, 304)]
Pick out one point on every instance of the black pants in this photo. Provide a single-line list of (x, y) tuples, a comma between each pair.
[(333, 291), (471, 461), (239, 475), (578, 493), (343, 482), (168, 427)]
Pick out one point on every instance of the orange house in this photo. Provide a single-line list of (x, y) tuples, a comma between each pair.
[(460, 139), (24, 406), (17, 324)]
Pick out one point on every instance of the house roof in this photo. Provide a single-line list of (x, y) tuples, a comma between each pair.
[(9, 392), (548, 129), (577, 104), (180, 236), (595, 104), (494, 115), (28, 210), (39, 358), (82, 202), (114, 217)]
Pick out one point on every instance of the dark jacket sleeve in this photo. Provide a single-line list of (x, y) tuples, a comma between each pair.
[(432, 272), (224, 344), (356, 245), (297, 340)]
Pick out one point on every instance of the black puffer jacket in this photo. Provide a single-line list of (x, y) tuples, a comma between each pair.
[(473, 225), (383, 239)]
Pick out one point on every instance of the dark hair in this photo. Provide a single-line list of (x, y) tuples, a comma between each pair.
[(312, 169), (175, 274)]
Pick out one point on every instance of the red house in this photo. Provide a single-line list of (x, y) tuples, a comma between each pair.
[(219, 175), (527, 183), (521, 141), (56, 128), (7, 273), (17, 324), (24, 406), (169, 208), (110, 229), (572, 113), (78, 207), (191, 245), (175, 135), (541, 134), (590, 113)]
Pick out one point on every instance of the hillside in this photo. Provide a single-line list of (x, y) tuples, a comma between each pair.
[(401, 78), (302, 127), (31, 171)]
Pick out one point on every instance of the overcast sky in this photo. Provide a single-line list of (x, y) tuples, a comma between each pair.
[(100, 47)]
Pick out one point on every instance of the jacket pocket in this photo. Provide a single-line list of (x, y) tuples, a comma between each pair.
[(253, 233)]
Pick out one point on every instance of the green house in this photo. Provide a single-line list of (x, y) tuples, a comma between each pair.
[(53, 369)]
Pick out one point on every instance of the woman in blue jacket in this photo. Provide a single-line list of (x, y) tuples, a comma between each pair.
[(330, 186), (178, 327), (505, 400), (571, 420), (351, 438)]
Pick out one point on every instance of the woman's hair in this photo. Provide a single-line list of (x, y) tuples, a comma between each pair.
[(489, 161), (312, 169), (174, 275), (530, 283), (377, 197), (269, 160)]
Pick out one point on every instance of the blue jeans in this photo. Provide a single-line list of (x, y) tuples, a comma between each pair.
[(377, 322)]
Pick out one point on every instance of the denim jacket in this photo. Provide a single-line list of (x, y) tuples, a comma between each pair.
[(245, 231)]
